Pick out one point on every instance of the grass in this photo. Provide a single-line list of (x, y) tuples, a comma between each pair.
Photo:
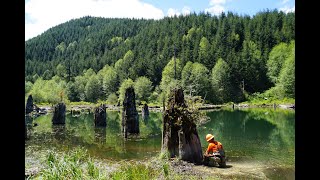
[(134, 171), (75, 164)]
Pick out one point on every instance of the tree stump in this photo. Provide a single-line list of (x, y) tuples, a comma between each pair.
[(59, 114), (100, 116), (180, 136), (29, 105), (130, 118), (145, 112)]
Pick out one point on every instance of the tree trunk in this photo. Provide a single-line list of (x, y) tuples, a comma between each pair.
[(29, 105), (180, 136), (145, 112), (59, 114), (100, 116), (130, 118)]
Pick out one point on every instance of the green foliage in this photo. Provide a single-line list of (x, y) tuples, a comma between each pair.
[(287, 76), (168, 74), (276, 59), (204, 51), (122, 90), (195, 79), (155, 96), (124, 68), (110, 80), (112, 99), (166, 93), (27, 86), (285, 80), (47, 75), (75, 164), (61, 71), (92, 89), (221, 82), (49, 91), (35, 78), (61, 47), (71, 91), (252, 67), (164, 155), (137, 171), (135, 48), (142, 88)]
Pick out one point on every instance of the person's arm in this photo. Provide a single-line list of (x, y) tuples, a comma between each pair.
[(208, 150)]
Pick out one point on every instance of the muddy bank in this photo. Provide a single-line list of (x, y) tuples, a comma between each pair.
[(234, 170)]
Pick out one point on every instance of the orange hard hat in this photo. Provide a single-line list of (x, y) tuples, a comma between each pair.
[(209, 137)]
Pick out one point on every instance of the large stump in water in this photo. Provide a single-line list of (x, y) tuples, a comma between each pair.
[(29, 105), (59, 114), (180, 136), (130, 118), (145, 112), (100, 116)]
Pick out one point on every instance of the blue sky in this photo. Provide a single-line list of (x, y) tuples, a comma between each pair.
[(40, 15)]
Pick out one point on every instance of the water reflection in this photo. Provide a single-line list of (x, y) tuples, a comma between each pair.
[(266, 135), (258, 134), (100, 135)]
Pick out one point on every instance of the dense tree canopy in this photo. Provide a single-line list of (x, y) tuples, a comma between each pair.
[(227, 54)]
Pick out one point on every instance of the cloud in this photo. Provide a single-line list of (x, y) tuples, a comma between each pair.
[(215, 10), (284, 1), (287, 9), (216, 7), (216, 2), (48, 13), (172, 12), (185, 11)]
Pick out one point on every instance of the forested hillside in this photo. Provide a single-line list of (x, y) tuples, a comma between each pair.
[(220, 58)]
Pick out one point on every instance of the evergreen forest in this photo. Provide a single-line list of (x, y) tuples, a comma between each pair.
[(215, 59)]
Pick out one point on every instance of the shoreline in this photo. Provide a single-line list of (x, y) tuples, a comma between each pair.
[(89, 108)]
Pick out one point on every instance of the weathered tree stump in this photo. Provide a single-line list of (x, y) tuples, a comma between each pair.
[(130, 118), (59, 114), (180, 136), (145, 112), (29, 105), (100, 116)]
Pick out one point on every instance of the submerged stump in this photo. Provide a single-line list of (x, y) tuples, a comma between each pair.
[(145, 112), (59, 114), (180, 136), (130, 118), (29, 105), (100, 116)]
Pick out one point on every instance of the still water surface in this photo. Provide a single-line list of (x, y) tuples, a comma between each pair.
[(263, 135)]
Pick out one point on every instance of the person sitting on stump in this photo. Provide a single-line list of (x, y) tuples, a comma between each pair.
[(215, 150)]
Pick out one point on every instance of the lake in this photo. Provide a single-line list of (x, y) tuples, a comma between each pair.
[(263, 135)]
